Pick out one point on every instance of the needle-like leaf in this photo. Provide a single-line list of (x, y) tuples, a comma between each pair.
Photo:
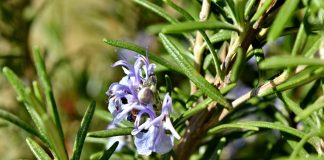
[(111, 132), (192, 74), (37, 150), (85, 123)]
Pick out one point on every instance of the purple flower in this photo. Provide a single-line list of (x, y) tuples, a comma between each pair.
[(155, 137), (135, 98)]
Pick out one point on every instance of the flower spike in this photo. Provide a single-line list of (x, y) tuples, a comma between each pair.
[(133, 98)]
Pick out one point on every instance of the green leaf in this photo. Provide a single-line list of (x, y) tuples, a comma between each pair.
[(314, 47), (54, 140), (201, 106), (208, 42), (292, 105), (285, 14), (45, 81), (36, 110), (193, 25), (222, 10), (85, 123), (15, 82), (227, 88), (193, 98), (37, 150), (20, 123), (183, 49), (96, 156), (107, 154), (192, 74), (101, 141), (24, 93), (111, 132), (299, 41), (258, 52), (207, 61), (211, 49), (232, 10), (311, 93), (248, 8), (306, 76), (215, 57), (142, 51), (239, 11), (238, 65), (186, 115), (301, 143), (289, 61), (309, 110), (183, 12), (219, 37), (46, 126), (42, 121), (293, 144), (41, 71), (37, 91), (301, 78), (222, 127), (261, 10), (280, 127), (156, 9)]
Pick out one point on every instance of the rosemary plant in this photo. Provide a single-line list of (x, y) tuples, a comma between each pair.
[(235, 79)]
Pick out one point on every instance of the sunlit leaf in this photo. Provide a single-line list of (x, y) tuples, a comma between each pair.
[(231, 126), (289, 61), (284, 15), (261, 10), (37, 150), (192, 26)]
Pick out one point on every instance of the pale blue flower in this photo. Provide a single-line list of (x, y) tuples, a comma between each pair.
[(156, 138), (133, 93)]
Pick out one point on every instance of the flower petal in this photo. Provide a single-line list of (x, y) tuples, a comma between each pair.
[(168, 125), (167, 104), (112, 106), (163, 143), (144, 142), (123, 114)]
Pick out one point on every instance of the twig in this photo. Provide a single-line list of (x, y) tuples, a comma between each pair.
[(260, 90)]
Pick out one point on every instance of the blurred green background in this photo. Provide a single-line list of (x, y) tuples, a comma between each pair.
[(70, 35)]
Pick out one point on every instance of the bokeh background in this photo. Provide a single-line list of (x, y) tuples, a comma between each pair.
[(70, 35)]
